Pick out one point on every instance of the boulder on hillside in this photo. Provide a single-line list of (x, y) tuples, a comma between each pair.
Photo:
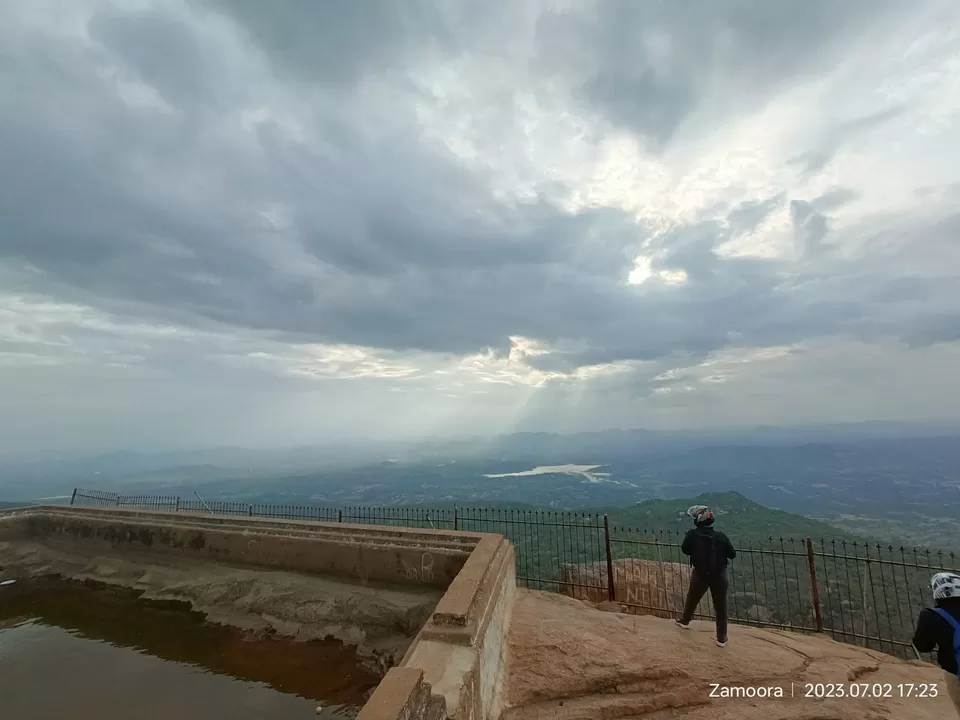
[(758, 613), (645, 587)]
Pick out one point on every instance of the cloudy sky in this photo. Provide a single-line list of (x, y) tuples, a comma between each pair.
[(273, 223)]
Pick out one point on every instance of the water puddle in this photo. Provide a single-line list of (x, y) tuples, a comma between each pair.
[(83, 651)]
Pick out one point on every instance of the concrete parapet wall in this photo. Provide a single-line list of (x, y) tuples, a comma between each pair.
[(462, 648), (403, 695), (390, 555), (456, 665)]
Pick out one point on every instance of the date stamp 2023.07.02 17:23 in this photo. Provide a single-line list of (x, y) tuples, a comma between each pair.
[(822, 691)]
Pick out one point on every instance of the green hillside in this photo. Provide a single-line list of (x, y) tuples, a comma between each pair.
[(775, 555), (739, 517), (866, 589)]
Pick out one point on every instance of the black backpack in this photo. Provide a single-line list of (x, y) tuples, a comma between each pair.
[(956, 633), (704, 558)]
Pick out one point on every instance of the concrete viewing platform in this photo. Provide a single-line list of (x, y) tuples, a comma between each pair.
[(439, 613), (452, 592)]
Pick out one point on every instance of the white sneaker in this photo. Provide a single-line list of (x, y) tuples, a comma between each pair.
[(721, 643), (685, 626)]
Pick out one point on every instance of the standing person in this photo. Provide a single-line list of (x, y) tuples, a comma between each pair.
[(710, 551), (939, 627)]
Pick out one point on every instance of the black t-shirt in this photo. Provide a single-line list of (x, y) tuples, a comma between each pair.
[(709, 550), (934, 631)]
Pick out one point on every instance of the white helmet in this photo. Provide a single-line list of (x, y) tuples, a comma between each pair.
[(945, 585)]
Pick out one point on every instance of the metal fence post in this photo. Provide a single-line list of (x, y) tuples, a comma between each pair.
[(814, 587), (340, 516), (611, 589), (869, 583), (74, 496)]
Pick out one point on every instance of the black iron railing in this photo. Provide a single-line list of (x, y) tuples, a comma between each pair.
[(861, 593)]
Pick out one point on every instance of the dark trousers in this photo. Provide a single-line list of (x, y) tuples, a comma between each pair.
[(717, 585)]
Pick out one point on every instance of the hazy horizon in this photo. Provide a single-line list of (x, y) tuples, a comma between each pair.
[(235, 223), (726, 434)]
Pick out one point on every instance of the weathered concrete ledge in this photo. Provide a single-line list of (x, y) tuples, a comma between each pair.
[(455, 666), (462, 649), (358, 552), (403, 695)]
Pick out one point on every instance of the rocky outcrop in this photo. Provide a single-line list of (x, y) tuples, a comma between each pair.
[(570, 661), (647, 587)]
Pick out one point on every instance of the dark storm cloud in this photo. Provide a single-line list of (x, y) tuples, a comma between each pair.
[(815, 160), (833, 199), (648, 65), (338, 42), (811, 226), (383, 241), (162, 49), (934, 329), (748, 215), (810, 220), (392, 230)]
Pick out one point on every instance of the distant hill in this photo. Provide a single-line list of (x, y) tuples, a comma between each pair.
[(741, 518), (867, 480), (6, 504)]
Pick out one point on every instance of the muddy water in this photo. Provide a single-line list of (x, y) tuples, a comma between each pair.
[(80, 651)]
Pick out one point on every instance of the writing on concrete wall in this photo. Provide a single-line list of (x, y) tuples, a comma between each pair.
[(423, 573), (426, 567)]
